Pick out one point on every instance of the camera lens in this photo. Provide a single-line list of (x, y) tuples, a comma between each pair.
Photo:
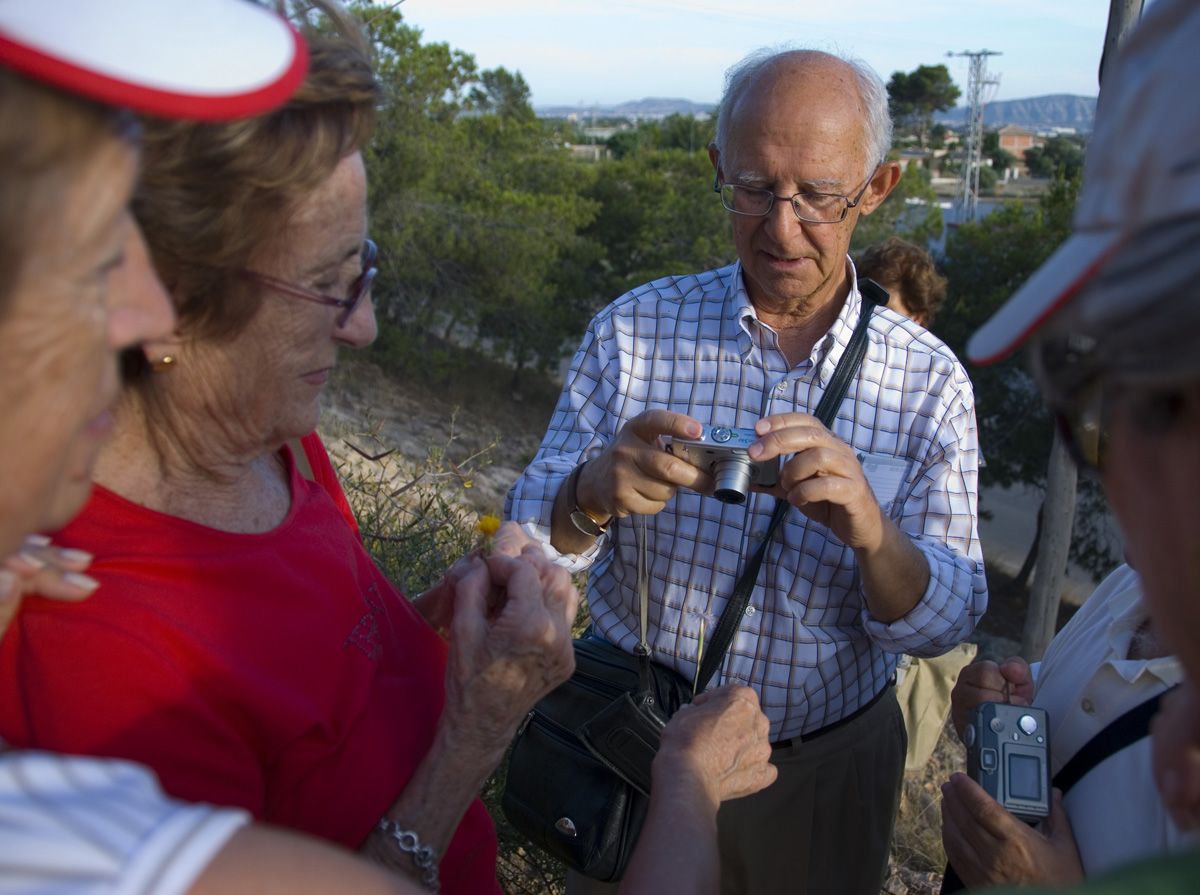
[(731, 476)]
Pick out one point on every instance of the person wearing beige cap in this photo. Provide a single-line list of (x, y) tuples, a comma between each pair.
[(1112, 322)]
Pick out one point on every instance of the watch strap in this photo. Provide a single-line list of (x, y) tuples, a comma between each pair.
[(581, 518)]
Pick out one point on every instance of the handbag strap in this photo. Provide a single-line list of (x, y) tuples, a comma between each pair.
[(827, 407)]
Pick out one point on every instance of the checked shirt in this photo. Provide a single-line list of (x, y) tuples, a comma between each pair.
[(808, 644)]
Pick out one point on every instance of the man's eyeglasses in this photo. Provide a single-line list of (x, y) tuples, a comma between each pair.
[(810, 206), (358, 289)]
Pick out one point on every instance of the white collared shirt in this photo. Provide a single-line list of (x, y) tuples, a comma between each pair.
[(1085, 682), (694, 344)]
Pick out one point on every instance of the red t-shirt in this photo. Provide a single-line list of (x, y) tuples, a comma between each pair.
[(278, 672)]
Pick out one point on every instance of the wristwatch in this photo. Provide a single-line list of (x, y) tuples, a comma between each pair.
[(580, 517)]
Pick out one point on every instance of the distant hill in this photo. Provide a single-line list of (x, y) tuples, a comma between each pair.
[(1035, 113), (650, 107), (1038, 112)]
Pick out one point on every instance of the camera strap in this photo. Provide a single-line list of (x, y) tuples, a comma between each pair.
[(847, 368)]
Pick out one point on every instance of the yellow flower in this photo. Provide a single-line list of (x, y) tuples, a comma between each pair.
[(488, 525)]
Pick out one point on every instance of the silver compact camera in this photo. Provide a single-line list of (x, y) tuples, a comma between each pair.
[(721, 451), (1008, 754)]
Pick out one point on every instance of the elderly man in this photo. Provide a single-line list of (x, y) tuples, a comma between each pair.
[(878, 553), (1112, 318)]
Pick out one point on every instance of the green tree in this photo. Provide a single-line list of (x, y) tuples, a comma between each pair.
[(1061, 156), (915, 96), (911, 212), (1002, 159), (657, 215), (986, 262)]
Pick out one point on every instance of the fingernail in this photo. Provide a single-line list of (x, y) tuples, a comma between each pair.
[(36, 540), (83, 582), (762, 427), (76, 556), (755, 450), (29, 561), (7, 579)]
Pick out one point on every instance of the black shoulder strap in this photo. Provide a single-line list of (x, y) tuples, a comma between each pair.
[(827, 408), (1124, 731)]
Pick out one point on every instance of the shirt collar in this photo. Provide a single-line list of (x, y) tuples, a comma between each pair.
[(741, 319)]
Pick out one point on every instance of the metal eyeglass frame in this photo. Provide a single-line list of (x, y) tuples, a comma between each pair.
[(358, 289), (719, 187)]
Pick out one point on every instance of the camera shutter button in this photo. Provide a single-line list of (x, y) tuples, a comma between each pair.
[(1028, 725)]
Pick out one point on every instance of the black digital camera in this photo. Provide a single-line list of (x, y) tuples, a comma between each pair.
[(721, 451), (1008, 754)]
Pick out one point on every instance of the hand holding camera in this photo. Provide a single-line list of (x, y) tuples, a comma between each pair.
[(1010, 681)]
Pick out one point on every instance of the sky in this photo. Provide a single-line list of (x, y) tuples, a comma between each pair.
[(586, 52)]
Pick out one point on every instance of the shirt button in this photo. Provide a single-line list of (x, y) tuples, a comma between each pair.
[(749, 611), (782, 387), (1088, 706)]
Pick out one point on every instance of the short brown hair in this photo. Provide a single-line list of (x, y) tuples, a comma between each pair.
[(897, 264), (213, 195), (47, 139)]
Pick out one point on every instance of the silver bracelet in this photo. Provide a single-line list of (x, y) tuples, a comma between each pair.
[(423, 856)]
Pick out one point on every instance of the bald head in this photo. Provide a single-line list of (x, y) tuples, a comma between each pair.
[(825, 86)]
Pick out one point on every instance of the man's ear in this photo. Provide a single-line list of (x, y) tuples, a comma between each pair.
[(714, 156), (886, 177)]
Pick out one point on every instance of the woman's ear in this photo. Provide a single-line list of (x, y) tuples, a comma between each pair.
[(162, 354)]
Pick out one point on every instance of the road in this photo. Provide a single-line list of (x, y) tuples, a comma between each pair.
[(1007, 535)]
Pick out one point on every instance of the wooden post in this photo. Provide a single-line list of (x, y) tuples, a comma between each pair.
[(1058, 518)]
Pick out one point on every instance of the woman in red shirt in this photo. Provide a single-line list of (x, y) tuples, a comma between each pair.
[(241, 642)]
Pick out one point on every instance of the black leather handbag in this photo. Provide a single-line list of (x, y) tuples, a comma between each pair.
[(578, 781)]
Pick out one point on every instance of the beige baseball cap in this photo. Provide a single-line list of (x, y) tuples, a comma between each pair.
[(1137, 223), (200, 59)]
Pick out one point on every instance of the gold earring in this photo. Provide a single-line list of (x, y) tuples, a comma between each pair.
[(164, 364)]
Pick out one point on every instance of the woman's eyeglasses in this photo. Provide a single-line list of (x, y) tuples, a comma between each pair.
[(358, 289)]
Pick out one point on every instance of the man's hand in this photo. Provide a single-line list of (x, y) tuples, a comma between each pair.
[(717, 743), (510, 645), (1011, 681), (988, 846), (824, 480), (1176, 748), (43, 569), (634, 474)]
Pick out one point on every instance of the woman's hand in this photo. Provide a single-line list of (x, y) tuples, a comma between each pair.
[(510, 642), (717, 743), (40, 567)]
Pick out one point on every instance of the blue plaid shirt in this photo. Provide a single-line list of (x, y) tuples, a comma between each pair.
[(694, 344)]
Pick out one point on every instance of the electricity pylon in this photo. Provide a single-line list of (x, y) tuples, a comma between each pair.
[(977, 80)]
